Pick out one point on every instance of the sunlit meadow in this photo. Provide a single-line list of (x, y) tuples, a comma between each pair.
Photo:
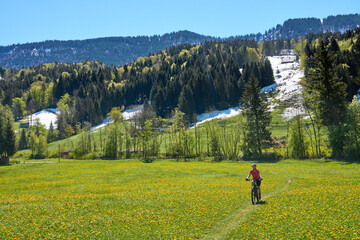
[(177, 200)]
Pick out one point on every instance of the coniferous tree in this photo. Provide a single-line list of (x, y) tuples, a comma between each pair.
[(330, 94), (51, 136), (23, 141), (7, 133), (352, 120), (257, 118), (2, 134), (10, 138), (186, 101)]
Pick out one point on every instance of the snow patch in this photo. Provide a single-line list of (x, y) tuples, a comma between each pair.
[(103, 124), (287, 77), (127, 114), (45, 117), (269, 88), (218, 114), (130, 113)]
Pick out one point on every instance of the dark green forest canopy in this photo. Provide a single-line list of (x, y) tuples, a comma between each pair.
[(345, 49), (195, 78), (110, 50)]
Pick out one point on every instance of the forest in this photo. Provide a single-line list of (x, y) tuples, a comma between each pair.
[(176, 84), (121, 50), (110, 50)]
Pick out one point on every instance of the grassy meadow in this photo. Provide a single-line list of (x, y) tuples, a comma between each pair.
[(178, 200)]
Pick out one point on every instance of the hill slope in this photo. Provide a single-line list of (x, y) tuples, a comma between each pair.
[(110, 50), (120, 50), (299, 27)]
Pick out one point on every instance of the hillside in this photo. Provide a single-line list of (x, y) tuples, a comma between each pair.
[(120, 50), (181, 76), (109, 50), (299, 27)]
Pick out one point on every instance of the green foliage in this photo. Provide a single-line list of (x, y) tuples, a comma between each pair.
[(113, 141), (18, 108), (38, 146), (7, 133), (37, 94), (258, 119), (330, 93), (146, 136), (352, 146), (83, 144), (298, 143), (116, 115), (52, 134), (23, 141)]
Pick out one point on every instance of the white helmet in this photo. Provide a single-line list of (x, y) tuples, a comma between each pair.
[(253, 165)]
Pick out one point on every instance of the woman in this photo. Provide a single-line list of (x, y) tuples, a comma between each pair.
[(255, 173)]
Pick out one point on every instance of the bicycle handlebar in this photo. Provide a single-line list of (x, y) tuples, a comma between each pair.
[(253, 179)]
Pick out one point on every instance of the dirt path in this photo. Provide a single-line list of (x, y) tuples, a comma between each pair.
[(220, 230)]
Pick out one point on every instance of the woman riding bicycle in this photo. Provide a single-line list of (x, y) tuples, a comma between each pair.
[(255, 173)]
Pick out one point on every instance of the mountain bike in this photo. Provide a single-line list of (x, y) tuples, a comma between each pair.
[(254, 191)]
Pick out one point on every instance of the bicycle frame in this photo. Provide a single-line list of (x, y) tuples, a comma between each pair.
[(254, 185), (254, 191)]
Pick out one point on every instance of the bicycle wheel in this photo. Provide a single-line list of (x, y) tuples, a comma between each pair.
[(253, 194), (256, 195)]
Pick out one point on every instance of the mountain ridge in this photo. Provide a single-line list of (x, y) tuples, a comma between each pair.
[(121, 50)]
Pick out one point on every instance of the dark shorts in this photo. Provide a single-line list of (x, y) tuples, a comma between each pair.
[(258, 182)]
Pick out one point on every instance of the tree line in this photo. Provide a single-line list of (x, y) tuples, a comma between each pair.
[(208, 75), (330, 64)]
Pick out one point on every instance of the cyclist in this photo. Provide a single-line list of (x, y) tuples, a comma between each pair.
[(255, 176)]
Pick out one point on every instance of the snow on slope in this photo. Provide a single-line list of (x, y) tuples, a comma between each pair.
[(287, 76), (127, 114), (218, 114), (103, 124), (45, 117)]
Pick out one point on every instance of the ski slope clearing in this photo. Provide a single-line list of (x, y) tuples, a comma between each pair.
[(45, 117), (130, 113), (287, 75)]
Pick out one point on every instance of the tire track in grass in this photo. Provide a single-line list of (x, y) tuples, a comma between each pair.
[(222, 228)]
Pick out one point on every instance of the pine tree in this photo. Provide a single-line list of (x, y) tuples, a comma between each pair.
[(330, 93), (352, 146), (2, 134), (7, 133), (23, 142), (186, 102), (257, 118), (51, 134)]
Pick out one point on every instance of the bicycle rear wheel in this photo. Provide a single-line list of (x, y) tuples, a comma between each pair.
[(253, 195)]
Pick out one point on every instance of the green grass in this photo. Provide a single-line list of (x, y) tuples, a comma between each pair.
[(168, 200), (278, 125)]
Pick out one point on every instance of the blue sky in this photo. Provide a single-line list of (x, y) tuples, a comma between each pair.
[(38, 20)]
